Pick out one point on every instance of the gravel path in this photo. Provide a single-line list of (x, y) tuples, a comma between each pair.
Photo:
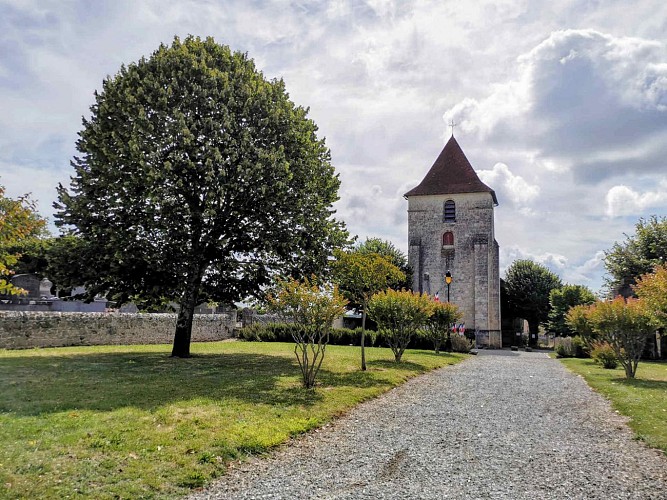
[(501, 425)]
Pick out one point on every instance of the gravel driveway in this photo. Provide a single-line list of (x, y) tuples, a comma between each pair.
[(503, 424)]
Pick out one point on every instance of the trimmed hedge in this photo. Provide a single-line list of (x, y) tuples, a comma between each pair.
[(282, 332)]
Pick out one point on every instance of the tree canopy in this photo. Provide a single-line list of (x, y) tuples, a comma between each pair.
[(19, 225), (624, 324), (198, 179), (389, 251), (360, 275), (399, 314), (652, 289), (528, 287), (560, 302), (637, 255)]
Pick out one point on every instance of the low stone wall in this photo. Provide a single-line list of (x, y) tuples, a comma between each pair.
[(22, 330), (250, 317)]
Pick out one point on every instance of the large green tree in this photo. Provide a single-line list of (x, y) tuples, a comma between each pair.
[(637, 255), (528, 287), (198, 179), (560, 302)]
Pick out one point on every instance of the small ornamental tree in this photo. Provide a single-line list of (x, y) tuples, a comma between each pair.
[(389, 251), (578, 320), (438, 326), (652, 289), (312, 309), (361, 275), (399, 315), (625, 325), (19, 223)]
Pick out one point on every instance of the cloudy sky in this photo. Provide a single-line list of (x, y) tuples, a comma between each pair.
[(561, 105)]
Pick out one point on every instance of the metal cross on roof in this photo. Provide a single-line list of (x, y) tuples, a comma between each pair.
[(452, 125)]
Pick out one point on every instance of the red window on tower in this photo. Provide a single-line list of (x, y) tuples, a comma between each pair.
[(448, 239)]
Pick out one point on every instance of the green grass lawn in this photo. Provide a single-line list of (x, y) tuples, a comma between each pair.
[(131, 422), (643, 399)]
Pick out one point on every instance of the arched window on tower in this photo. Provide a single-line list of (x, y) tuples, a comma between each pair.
[(450, 211), (448, 239)]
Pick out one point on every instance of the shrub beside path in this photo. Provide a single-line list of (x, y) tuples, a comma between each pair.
[(501, 425)]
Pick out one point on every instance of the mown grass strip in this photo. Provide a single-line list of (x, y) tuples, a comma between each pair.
[(643, 399), (130, 422)]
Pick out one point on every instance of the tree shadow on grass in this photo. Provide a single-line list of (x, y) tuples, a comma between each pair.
[(658, 385), (357, 378), (30, 385), (389, 364)]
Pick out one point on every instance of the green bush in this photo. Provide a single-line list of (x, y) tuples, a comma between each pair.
[(564, 347), (581, 347), (461, 343), (347, 336), (571, 347), (282, 332), (604, 354), (268, 332), (560, 350)]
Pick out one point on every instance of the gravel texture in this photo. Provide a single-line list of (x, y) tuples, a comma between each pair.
[(503, 424)]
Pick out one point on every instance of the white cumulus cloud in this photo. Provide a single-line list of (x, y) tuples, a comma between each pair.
[(513, 187), (581, 99), (623, 200)]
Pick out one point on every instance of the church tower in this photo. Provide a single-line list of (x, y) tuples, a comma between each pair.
[(451, 229)]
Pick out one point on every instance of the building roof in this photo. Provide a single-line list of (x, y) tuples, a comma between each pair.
[(451, 174)]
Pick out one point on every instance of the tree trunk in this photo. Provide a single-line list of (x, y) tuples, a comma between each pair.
[(363, 338), (631, 367), (186, 312), (629, 373)]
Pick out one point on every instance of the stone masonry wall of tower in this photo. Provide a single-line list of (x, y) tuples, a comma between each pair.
[(473, 259)]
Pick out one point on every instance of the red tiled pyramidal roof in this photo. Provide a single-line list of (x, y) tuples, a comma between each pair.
[(451, 174)]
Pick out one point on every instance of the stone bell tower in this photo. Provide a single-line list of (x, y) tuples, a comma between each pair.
[(451, 228)]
